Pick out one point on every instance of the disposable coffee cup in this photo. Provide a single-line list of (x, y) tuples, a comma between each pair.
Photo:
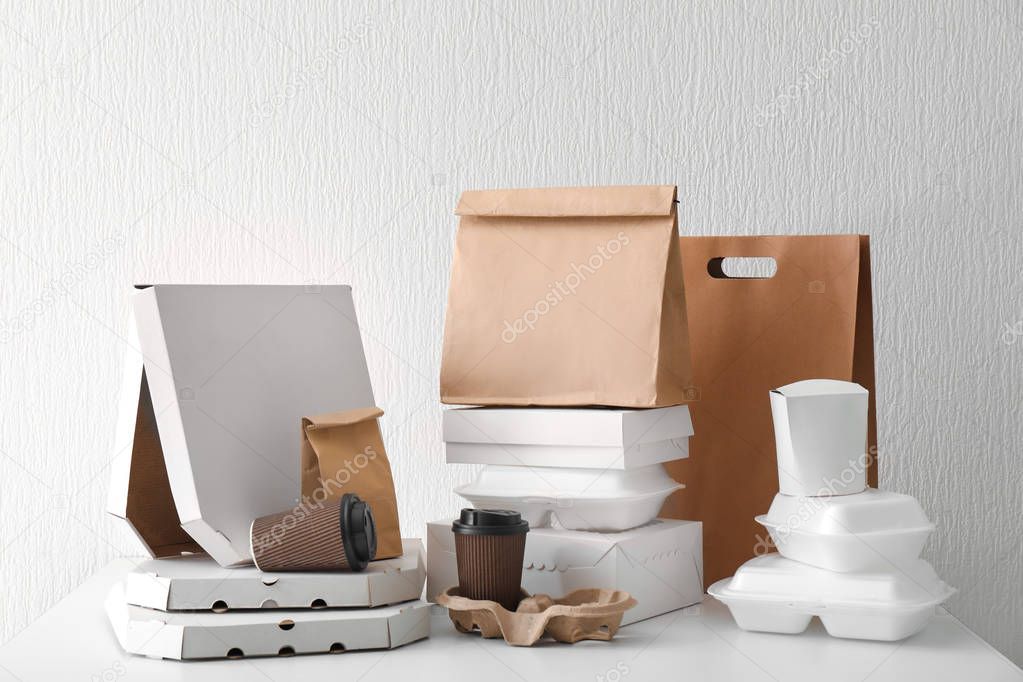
[(489, 547), (333, 536)]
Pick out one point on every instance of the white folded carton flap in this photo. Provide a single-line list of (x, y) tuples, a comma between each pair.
[(230, 371), (199, 583), (201, 635), (660, 563), (139, 490)]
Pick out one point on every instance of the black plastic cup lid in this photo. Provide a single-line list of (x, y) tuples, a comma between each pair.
[(490, 522), (358, 532)]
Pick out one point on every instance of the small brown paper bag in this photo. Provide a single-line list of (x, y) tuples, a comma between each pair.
[(343, 452), (811, 320), (566, 296)]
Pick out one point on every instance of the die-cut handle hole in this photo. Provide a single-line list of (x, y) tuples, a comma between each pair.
[(286, 624), (337, 648), (235, 653), (286, 651), (742, 267), (219, 606)]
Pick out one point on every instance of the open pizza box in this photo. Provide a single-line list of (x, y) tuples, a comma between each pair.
[(217, 380)]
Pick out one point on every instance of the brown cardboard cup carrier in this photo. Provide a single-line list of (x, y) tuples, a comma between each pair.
[(343, 452), (566, 296), (587, 613), (811, 320)]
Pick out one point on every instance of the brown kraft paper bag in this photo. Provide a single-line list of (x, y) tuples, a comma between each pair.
[(566, 296), (811, 320), (343, 452)]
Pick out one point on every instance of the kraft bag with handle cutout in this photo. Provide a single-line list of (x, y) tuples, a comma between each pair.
[(343, 452), (566, 297), (811, 320)]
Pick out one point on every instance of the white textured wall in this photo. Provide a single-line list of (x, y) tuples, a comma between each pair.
[(166, 141)]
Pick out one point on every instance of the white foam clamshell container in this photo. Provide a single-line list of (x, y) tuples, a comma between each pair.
[(870, 530), (198, 583), (773, 594), (579, 499), (187, 635), (598, 438)]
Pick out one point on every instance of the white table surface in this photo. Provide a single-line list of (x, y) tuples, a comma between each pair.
[(73, 641)]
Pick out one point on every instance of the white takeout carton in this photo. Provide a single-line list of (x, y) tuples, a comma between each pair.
[(773, 594), (187, 635), (820, 432), (605, 500), (196, 582), (875, 529), (660, 564), (217, 380), (604, 438)]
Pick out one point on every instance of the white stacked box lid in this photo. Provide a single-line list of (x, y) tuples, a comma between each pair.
[(567, 437)]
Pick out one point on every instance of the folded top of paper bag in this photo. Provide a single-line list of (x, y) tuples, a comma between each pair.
[(554, 202)]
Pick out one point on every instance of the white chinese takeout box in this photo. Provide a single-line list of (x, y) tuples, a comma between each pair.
[(660, 563), (820, 431), (196, 582), (217, 380), (604, 438), (186, 635)]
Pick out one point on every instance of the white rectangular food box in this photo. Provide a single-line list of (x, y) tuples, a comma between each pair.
[(187, 635), (660, 564), (197, 582), (567, 437), (217, 380)]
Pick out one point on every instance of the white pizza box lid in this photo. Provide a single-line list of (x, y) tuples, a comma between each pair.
[(197, 582), (217, 380)]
